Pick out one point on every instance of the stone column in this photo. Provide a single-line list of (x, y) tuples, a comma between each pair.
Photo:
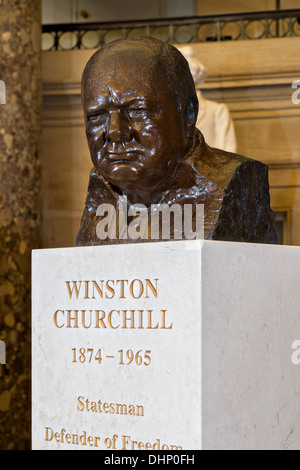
[(20, 129)]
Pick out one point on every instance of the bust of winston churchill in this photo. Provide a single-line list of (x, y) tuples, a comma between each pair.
[(140, 107)]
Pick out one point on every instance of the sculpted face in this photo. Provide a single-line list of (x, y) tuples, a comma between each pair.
[(135, 129)]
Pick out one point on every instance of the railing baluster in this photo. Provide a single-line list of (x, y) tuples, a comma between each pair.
[(219, 31), (267, 28), (56, 41), (290, 27), (171, 33), (242, 29), (78, 44), (171, 25)]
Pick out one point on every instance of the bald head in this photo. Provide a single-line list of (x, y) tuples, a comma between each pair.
[(150, 57)]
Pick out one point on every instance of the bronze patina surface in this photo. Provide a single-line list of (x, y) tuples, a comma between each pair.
[(140, 108)]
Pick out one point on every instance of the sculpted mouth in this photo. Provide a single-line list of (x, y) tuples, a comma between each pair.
[(130, 156)]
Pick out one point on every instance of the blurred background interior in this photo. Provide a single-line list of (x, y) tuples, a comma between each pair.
[(250, 50)]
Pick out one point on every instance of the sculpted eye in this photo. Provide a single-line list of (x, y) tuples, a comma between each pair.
[(95, 117)]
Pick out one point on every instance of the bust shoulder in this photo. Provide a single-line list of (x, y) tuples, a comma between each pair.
[(220, 166)]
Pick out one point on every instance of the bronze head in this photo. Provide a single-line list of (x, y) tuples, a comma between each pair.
[(140, 107)]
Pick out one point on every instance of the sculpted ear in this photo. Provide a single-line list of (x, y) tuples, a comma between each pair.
[(191, 117)]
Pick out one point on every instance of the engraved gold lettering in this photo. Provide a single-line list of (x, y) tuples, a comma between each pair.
[(99, 319), (80, 406), (130, 319), (75, 288), (71, 318), (82, 439), (129, 444), (122, 281), (105, 407), (55, 319), (114, 319), (83, 314), (125, 442), (109, 319), (163, 321), (74, 439), (96, 441), (99, 289), (86, 289), (110, 289), (121, 409), (84, 404), (141, 327), (139, 410), (49, 434), (150, 327), (141, 288), (93, 406), (153, 289)]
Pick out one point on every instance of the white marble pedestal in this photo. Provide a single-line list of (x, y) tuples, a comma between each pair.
[(166, 346)]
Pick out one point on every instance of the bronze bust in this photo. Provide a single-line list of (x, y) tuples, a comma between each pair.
[(140, 108)]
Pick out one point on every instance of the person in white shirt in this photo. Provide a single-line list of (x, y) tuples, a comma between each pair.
[(214, 120)]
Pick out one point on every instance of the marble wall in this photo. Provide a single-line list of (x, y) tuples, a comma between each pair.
[(20, 148)]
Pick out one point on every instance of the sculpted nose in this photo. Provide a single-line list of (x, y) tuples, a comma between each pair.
[(118, 127)]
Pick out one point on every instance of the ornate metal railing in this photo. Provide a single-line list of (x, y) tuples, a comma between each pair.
[(259, 25)]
